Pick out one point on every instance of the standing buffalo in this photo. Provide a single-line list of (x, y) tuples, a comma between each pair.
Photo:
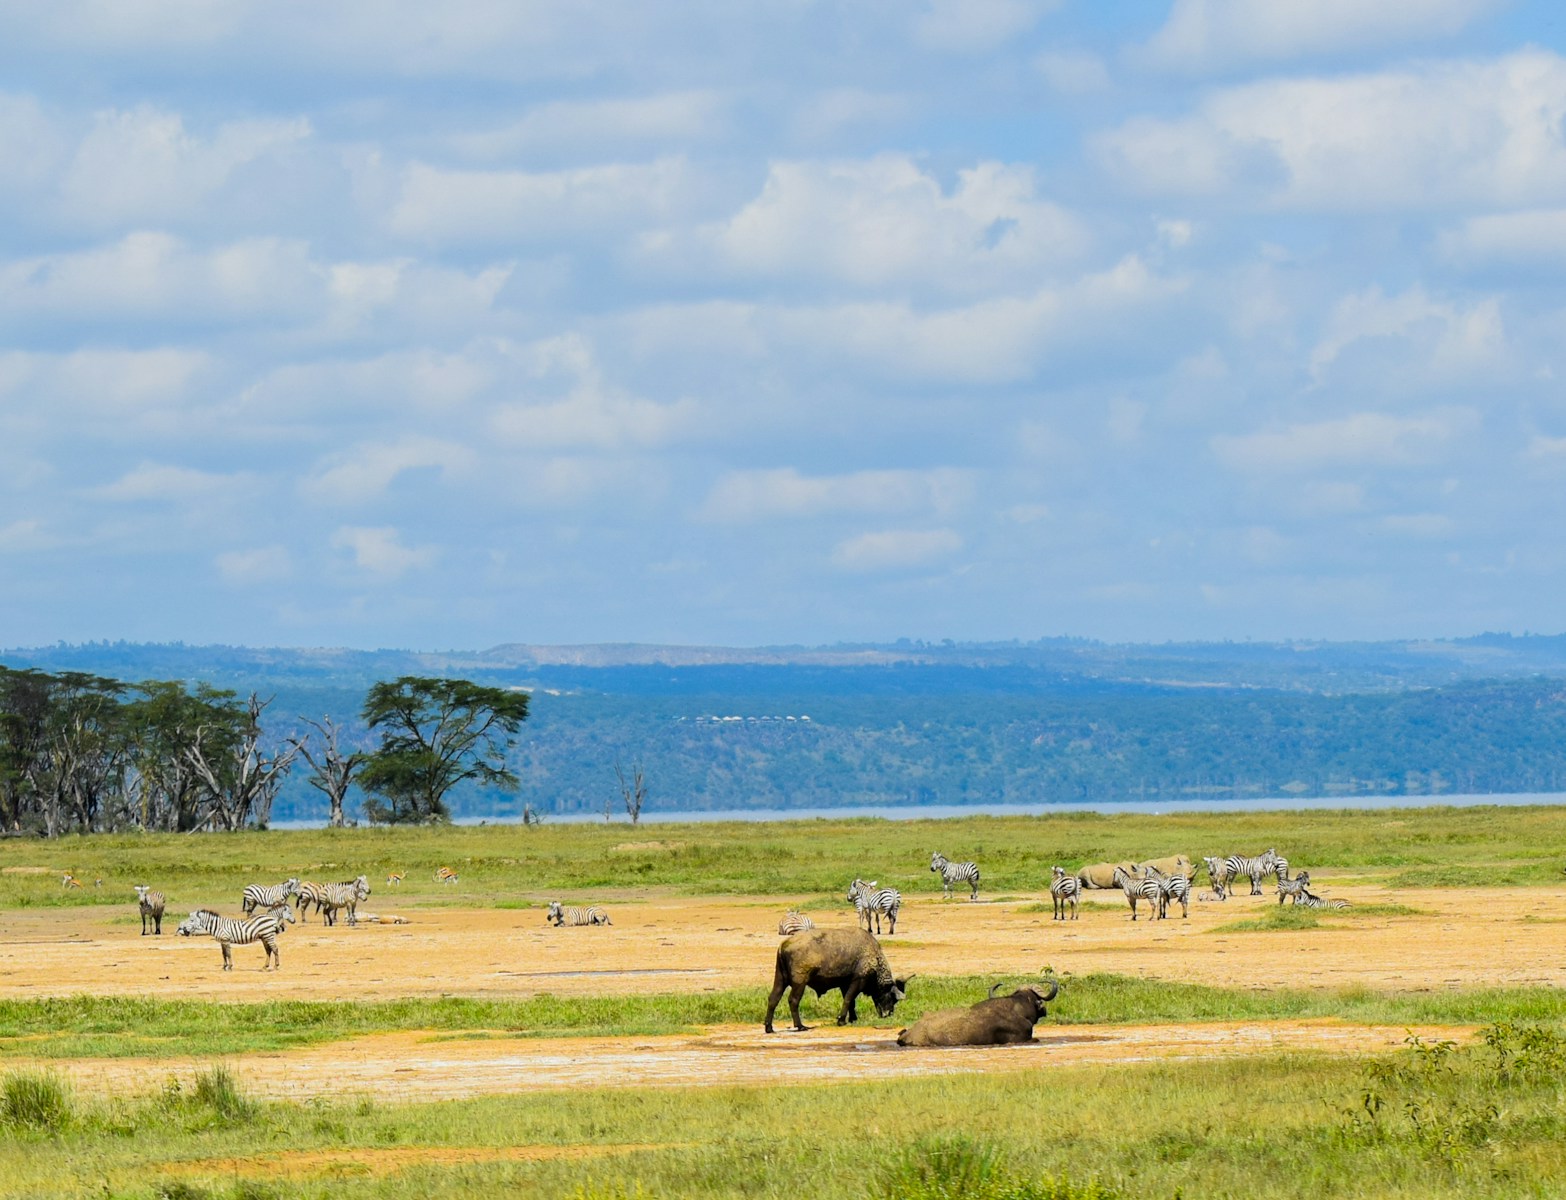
[(998, 1021), (823, 959)]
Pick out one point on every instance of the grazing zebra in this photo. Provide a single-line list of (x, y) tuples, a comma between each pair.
[(794, 922), (1064, 889), (1218, 873), (395, 878), (956, 872), (334, 896), (1271, 863), (1311, 900), (1137, 888), (871, 903), (591, 915), (1170, 887), (151, 904), (260, 895), (1294, 889), (446, 875), (241, 931)]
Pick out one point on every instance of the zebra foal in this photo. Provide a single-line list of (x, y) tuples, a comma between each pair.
[(956, 872), (240, 931), (151, 905), (794, 922)]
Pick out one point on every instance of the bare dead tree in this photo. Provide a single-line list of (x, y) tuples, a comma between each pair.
[(634, 793), (246, 785), (333, 770)]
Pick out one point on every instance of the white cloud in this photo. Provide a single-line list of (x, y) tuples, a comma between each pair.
[(578, 127), (1074, 72), (364, 472), (262, 564), (1517, 238), (743, 496), (887, 221), (379, 551), (22, 536), (1447, 339), (1366, 439), (105, 383), (1420, 526), (1202, 35), (896, 549), (966, 26), (159, 481), (1482, 132), (439, 204)]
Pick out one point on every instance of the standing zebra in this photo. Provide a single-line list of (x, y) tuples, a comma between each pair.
[(1271, 863), (871, 903), (590, 915), (1295, 889), (1218, 873), (241, 931), (260, 895), (334, 896), (956, 872), (1170, 887), (1064, 889), (1137, 888), (151, 904), (794, 922)]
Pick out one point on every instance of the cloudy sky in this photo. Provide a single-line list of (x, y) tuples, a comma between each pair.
[(383, 323)]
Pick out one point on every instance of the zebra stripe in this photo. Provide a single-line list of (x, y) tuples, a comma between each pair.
[(1295, 889), (343, 895), (260, 895), (871, 903), (1064, 889), (956, 872), (241, 931), (590, 915), (1136, 888), (151, 905), (1170, 887), (1255, 868), (1313, 901), (1218, 874), (794, 922)]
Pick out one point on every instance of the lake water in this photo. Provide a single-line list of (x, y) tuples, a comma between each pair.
[(935, 812)]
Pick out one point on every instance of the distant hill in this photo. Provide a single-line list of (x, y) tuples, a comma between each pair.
[(949, 723)]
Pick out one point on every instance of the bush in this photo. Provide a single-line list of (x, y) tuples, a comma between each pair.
[(218, 1091), (35, 1100)]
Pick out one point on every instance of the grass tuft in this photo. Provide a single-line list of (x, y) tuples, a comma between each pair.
[(1274, 918), (35, 1100), (217, 1090)]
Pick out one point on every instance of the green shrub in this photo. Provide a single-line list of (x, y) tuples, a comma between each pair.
[(35, 1100), (218, 1091), (964, 1169)]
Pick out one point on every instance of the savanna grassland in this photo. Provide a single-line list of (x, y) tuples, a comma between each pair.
[(1409, 1046)]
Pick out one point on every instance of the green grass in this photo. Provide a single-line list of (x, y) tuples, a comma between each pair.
[(1273, 917), (810, 859), (1433, 1121), (91, 1027)]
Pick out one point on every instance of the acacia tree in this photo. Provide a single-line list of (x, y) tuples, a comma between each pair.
[(332, 771), (435, 734)]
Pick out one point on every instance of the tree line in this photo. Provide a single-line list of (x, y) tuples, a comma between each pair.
[(86, 753)]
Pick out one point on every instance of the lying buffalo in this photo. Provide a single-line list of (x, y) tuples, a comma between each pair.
[(823, 959), (998, 1021)]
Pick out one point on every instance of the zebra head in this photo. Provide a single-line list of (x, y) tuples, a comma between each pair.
[(284, 913), (555, 914), (141, 891), (1059, 872), (199, 921), (291, 888), (937, 861), (361, 888), (856, 889)]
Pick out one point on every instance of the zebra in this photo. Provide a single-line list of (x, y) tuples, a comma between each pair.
[(871, 903), (241, 931), (260, 895), (313, 893), (794, 922), (955, 872), (343, 895), (1255, 868), (1170, 887), (1138, 888), (1294, 889), (590, 915), (1311, 900), (1064, 889), (151, 904), (1218, 873)]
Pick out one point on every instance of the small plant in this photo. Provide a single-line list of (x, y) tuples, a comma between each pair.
[(218, 1091), (1525, 1053), (35, 1100)]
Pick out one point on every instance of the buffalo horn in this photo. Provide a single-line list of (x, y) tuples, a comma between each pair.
[(1054, 989)]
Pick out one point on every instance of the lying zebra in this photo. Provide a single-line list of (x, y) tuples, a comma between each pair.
[(590, 915), (794, 922), (241, 931)]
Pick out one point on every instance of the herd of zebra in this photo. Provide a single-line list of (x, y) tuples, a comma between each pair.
[(1158, 883)]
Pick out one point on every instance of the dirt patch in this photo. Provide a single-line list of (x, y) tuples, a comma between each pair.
[(383, 1160), (1460, 937), (433, 1066), (646, 847), (28, 871)]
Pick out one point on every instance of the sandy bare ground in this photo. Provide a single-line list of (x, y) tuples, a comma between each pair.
[(1458, 937)]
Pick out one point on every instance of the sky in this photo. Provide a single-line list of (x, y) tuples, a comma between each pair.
[(382, 323)]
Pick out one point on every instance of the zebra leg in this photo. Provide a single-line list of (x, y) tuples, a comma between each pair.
[(273, 954), (157, 924), (228, 956), (892, 918), (975, 894), (143, 924), (1073, 908)]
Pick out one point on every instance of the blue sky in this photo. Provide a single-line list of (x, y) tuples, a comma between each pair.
[(435, 326)]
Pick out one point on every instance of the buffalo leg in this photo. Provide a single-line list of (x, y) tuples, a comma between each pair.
[(772, 1002), (850, 1010)]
